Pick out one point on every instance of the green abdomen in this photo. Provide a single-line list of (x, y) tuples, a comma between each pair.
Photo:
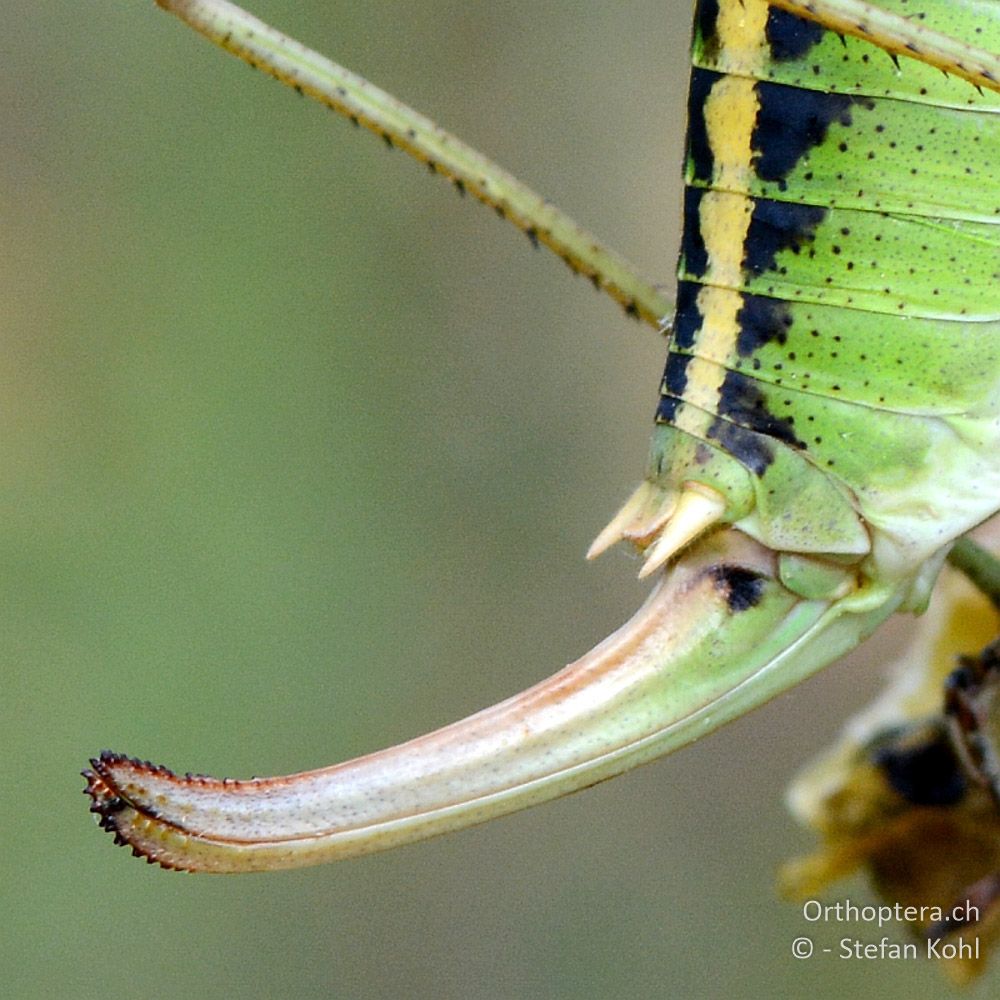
[(836, 353)]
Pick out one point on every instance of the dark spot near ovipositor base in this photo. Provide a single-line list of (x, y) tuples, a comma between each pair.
[(742, 588)]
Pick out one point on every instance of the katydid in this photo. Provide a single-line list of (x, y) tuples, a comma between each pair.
[(828, 426)]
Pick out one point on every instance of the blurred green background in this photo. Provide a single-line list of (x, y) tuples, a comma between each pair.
[(300, 457)]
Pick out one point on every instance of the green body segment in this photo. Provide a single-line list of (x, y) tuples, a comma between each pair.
[(835, 367)]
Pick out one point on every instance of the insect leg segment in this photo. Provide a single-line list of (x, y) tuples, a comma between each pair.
[(924, 36)]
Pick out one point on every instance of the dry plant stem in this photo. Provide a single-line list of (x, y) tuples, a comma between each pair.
[(363, 103), (901, 36)]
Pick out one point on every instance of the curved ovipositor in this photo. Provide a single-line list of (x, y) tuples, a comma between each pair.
[(829, 423), (718, 635)]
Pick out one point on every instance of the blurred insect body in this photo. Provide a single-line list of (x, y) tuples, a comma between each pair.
[(898, 798), (829, 422)]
